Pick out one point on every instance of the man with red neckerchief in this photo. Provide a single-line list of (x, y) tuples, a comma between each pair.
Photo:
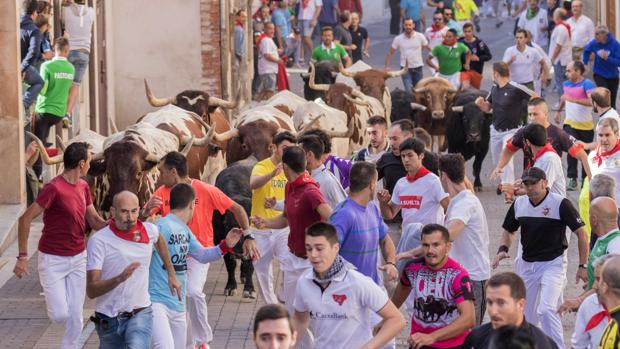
[(419, 194), (303, 205), (119, 257), (545, 157)]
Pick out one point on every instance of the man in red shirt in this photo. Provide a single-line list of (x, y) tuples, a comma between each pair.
[(173, 170), (351, 6), (305, 205), (67, 206)]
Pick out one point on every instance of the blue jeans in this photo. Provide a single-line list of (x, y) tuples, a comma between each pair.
[(132, 333), (80, 61), (559, 75), (411, 79), (35, 81)]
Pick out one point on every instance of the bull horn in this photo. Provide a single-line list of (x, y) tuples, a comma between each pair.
[(152, 158), (453, 90), (346, 134), (305, 75), (98, 156), (218, 102), (416, 106), (355, 100), (61, 143), (309, 125), (334, 74), (188, 146), (207, 138), (420, 90), (397, 73), (457, 109), (157, 102), (318, 87), (226, 136), (44, 156), (113, 124), (345, 72)]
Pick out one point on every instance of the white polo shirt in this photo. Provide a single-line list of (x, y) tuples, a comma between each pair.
[(419, 200), (111, 255), (471, 247), (609, 165), (551, 163), (340, 315), (410, 49), (591, 339), (560, 36), (524, 65), (582, 30)]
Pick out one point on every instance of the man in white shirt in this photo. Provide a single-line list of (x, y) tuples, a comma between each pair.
[(467, 224), (534, 20), (435, 32), (560, 48), (337, 301), (328, 183), (589, 323), (545, 158), (419, 194), (120, 254), (268, 60), (309, 11), (601, 104), (523, 60), (410, 44), (581, 27)]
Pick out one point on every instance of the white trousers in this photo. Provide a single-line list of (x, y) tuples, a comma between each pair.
[(293, 267), (498, 143), (455, 78), (544, 284), (198, 329), (272, 243), (64, 285), (169, 327)]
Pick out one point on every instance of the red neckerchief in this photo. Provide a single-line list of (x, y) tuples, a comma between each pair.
[(303, 179), (423, 171), (305, 3), (260, 38), (449, 43), (567, 26), (597, 319), (435, 28), (547, 148), (137, 234), (239, 24), (600, 155)]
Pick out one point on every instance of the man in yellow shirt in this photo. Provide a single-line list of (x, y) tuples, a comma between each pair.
[(267, 183), (465, 11)]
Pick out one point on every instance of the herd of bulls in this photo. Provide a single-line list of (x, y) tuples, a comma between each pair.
[(221, 152)]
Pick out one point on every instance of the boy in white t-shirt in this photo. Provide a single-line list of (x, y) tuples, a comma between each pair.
[(117, 270), (336, 300), (419, 194)]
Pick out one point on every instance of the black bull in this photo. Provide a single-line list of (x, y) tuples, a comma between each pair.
[(234, 181), (468, 130)]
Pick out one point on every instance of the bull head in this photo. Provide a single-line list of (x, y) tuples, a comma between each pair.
[(312, 84), (212, 102), (436, 102)]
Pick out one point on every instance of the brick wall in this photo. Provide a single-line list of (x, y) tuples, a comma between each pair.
[(210, 46)]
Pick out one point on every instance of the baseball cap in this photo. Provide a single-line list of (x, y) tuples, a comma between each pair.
[(533, 174)]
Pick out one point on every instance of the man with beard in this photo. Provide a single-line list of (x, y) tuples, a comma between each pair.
[(541, 263), (410, 44), (120, 254), (441, 319), (505, 298), (376, 128), (390, 166)]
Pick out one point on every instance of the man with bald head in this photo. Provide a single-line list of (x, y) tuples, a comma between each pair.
[(119, 256), (609, 294), (604, 223)]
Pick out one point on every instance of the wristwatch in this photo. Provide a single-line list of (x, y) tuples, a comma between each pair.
[(249, 236), (583, 266)]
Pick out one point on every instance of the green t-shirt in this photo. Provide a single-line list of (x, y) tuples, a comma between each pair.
[(58, 77), (321, 53), (449, 58), (599, 249)]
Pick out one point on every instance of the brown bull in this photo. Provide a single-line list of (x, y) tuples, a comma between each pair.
[(204, 162), (433, 96)]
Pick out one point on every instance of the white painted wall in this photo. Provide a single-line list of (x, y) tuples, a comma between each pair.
[(376, 11), (154, 39)]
